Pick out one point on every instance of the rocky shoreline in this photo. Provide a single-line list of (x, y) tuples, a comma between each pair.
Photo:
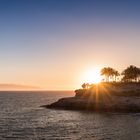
[(118, 104), (101, 102)]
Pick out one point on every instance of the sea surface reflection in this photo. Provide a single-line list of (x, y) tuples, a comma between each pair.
[(21, 118)]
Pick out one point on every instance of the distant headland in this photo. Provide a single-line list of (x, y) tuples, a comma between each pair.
[(113, 94), (4, 87)]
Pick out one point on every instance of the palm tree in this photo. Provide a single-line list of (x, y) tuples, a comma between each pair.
[(104, 72), (116, 74), (131, 73), (109, 72)]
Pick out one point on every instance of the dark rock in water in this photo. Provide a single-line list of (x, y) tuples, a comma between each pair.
[(119, 104), (104, 97), (69, 103)]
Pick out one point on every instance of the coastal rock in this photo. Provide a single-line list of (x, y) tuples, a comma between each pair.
[(109, 98), (116, 104)]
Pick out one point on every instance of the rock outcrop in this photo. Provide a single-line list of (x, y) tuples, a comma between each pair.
[(101, 100)]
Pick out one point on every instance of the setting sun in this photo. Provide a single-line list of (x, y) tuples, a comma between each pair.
[(92, 76)]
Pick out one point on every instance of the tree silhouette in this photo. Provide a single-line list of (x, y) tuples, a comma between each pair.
[(85, 85), (109, 73), (116, 74), (130, 74), (104, 72)]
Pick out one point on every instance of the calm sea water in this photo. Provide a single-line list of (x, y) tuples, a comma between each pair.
[(21, 118)]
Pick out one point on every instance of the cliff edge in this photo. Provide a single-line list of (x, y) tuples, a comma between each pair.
[(107, 97)]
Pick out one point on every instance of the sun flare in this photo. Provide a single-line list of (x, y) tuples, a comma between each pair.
[(92, 76)]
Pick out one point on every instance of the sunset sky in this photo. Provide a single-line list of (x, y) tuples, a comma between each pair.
[(52, 43)]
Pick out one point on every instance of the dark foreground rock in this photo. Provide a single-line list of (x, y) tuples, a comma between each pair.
[(112, 104), (107, 97)]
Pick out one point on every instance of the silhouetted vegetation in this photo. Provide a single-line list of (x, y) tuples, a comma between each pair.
[(130, 74), (110, 74), (85, 85), (110, 89), (125, 84)]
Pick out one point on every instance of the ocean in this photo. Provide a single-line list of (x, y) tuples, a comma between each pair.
[(22, 118)]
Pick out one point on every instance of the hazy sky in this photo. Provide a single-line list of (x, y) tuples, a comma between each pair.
[(51, 43)]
